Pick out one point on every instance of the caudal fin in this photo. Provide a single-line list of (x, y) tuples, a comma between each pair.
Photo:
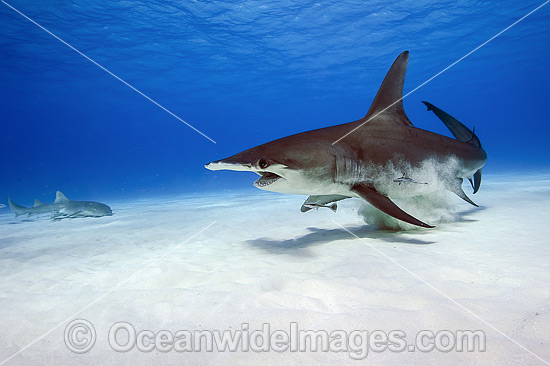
[(477, 181), (457, 128), (461, 133), (17, 210)]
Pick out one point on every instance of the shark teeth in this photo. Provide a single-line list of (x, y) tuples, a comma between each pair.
[(266, 179)]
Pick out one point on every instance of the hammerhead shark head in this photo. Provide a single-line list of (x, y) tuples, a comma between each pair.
[(368, 158), (63, 208)]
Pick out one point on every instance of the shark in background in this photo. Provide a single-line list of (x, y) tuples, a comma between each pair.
[(63, 208), (378, 157)]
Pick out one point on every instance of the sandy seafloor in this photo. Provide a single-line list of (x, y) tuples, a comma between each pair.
[(262, 261)]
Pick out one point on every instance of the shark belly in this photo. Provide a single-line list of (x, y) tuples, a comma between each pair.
[(311, 185)]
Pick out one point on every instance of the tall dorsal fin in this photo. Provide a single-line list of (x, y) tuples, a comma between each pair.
[(388, 100), (38, 203), (60, 197)]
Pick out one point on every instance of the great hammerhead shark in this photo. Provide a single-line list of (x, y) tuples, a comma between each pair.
[(378, 157)]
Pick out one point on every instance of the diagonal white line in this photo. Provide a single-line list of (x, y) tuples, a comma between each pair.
[(442, 293), (107, 293), (109, 72), (442, 71)]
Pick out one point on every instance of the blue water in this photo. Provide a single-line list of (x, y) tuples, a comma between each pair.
[(244, 73)]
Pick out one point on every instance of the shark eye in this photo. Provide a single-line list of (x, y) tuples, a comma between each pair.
[(262, 163)]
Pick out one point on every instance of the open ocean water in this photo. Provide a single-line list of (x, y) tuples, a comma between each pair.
[(124, 102), (244, 73)]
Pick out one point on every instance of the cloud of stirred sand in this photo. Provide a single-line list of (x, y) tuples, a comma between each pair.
[(435, 207)]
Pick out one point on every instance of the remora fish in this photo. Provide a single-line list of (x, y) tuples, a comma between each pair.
[(63, 208), (405, 179), (316, 202), (361, 158)]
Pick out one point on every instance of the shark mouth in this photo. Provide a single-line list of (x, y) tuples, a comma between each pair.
[(266, 179)]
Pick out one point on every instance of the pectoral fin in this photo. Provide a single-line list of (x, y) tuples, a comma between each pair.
[(385, 205), (56, 216)]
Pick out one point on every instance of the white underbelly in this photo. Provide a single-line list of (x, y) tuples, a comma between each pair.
[(395, 181)]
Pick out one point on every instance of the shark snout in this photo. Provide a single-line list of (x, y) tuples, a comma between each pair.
[(228, 165)]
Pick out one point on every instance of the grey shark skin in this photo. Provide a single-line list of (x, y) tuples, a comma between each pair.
[(63, 208), (365, 162)]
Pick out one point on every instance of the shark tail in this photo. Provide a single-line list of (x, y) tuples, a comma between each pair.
[(461, 133), (477, 181), (457, 128), (17, 210)]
